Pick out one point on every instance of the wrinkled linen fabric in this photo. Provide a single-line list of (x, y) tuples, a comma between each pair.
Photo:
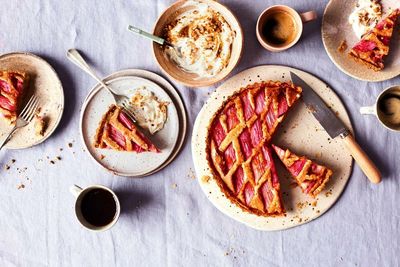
[(163, 224)]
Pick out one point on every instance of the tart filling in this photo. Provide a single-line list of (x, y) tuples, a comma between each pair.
[(238, 150), (13, 85), (118, 132)]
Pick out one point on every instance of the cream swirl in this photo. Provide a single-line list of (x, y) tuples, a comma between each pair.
[(204, 39)]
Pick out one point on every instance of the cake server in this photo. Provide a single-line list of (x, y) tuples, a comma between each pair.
[(334, 127)]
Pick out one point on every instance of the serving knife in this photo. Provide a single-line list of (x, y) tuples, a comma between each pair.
[(335, 128)]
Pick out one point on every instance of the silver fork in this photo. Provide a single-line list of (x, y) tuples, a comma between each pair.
[(121, 100), (24, 118)]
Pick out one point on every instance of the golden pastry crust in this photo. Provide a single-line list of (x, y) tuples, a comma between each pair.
[(238, 150), (116, 131)]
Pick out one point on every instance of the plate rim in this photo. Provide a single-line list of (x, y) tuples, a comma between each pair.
[(220, 206), (62, 96), (120, 75)]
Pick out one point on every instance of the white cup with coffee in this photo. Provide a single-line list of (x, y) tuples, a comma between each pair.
[(386, 108), (97, 207), (280, 27)]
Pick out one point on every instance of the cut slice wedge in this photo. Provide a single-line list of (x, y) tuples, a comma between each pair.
[(310, 176), (374, 45), (117, 131)]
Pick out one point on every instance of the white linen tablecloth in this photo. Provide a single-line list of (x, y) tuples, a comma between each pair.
[(163, 224)]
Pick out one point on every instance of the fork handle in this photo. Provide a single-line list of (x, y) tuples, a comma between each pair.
[(8, 137), (75, 57)]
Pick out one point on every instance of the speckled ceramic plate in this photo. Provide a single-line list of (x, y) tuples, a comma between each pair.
[(300, 132), (173, 93), (46, 85), (128, 163), (336, 28)]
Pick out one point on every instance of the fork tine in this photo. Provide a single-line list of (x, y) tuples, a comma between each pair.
[(33, 113), (128, 112), (27, 105), (31, 108)]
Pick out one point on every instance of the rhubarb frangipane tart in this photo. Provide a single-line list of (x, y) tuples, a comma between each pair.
[(310, 176), (118, 132), (238, 149), (13, 85)]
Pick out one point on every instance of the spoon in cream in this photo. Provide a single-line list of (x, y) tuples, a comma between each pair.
[(155, 38)]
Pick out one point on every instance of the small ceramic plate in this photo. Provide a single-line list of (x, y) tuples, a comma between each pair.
[(128, 163), (171, 69), (300, 132), (46, 85), (336, 28)]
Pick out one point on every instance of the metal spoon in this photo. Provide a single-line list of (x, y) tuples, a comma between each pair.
[(155, 38)]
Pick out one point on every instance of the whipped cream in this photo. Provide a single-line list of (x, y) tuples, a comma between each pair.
[(204, 40), (365, 16), (150, 113)]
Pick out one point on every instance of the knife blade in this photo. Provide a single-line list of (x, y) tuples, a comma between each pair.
[(335, 127)]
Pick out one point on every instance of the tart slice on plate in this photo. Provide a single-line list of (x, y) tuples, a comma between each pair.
[(374, 45), (118, 132), (310, 176), (13, 85), (238, 150)]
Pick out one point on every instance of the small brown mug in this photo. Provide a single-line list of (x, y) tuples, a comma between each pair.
[(297, 19)]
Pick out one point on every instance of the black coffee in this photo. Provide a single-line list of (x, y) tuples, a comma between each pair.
[(279, 28), (98, 207)]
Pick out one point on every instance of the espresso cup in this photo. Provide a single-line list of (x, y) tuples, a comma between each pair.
[(97, 207), (386, 108), (280, 27)]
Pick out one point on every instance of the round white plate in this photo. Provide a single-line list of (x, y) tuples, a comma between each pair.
[(300, 132), (46, 85), (128, 163), (173, 93), (336, 28)]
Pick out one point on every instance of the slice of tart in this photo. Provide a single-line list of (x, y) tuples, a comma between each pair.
[(310, 176), (374, 45), (238, 149), (13, 85), (118, 132)]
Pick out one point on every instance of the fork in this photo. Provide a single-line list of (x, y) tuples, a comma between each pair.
[(121, 100), (24, 118)]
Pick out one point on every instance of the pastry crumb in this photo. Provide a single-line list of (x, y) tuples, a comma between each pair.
[(329, 193), (58, 158), (314, 204), (174, 186), (191, 174), (343, 46), (52, 162), (69, 144), (40, 125), (301, 205), (102, 157), (205, 179), (21, 186)]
